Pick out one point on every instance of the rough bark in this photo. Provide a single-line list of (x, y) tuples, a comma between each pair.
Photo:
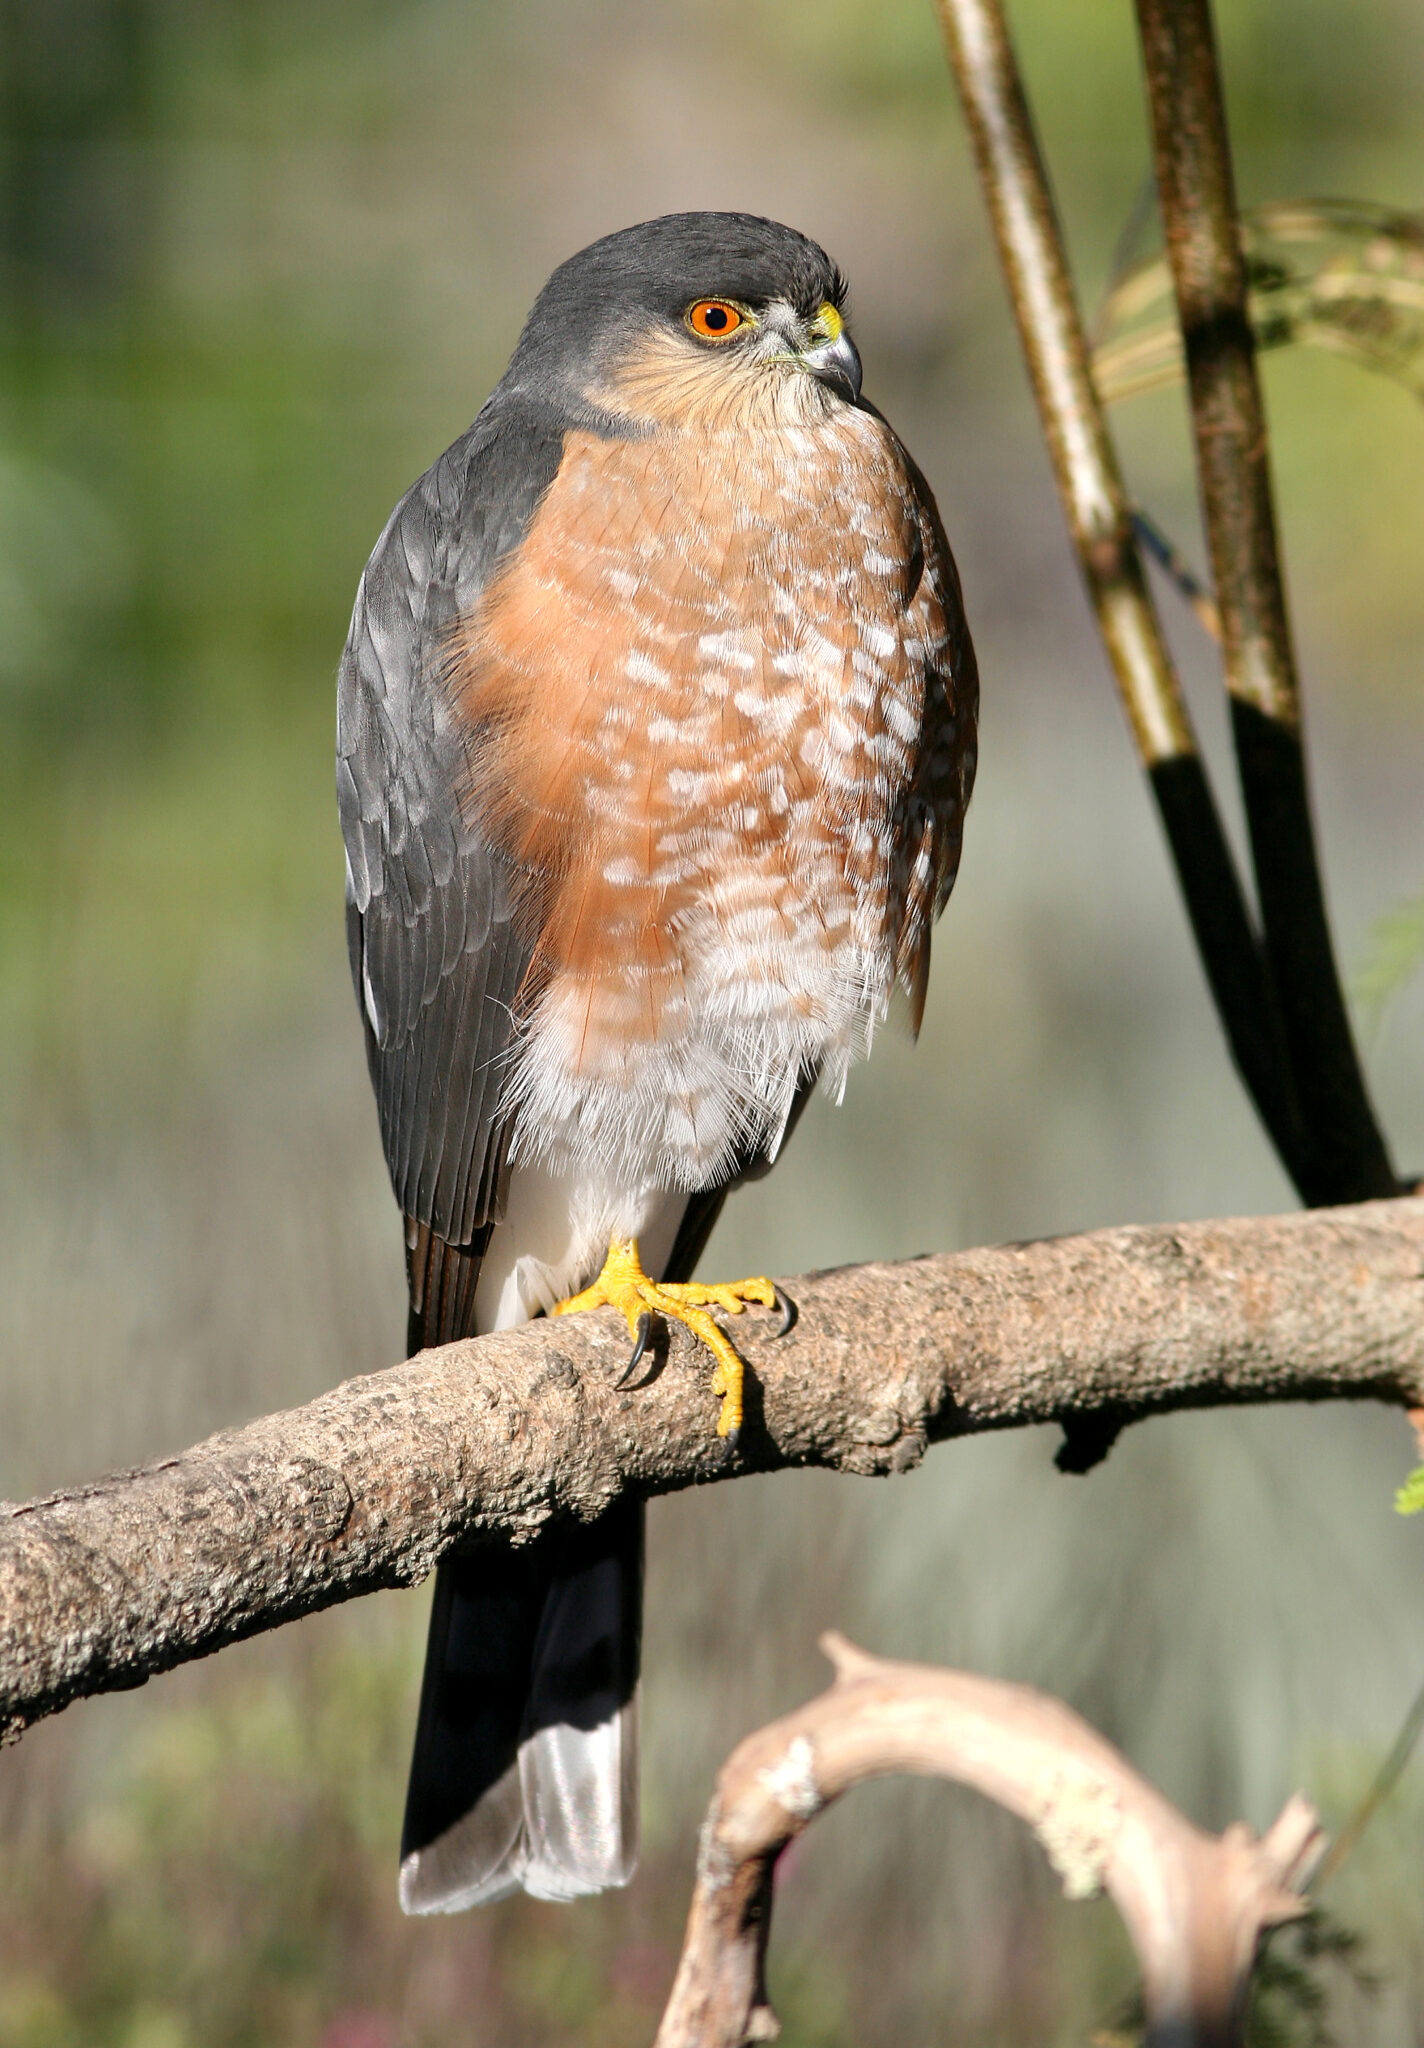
[(1195, 1905), (103, 1585)]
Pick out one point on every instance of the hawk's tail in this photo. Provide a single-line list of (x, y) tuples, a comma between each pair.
[(525, 1770)]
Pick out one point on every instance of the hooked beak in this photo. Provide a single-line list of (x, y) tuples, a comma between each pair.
[(836, 364)]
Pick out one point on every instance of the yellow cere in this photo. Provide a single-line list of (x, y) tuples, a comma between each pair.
[(829, 321)]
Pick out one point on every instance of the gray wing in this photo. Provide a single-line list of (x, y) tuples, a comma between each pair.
[(435, 953)]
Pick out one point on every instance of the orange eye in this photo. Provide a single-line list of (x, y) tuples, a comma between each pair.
[(714, 319)]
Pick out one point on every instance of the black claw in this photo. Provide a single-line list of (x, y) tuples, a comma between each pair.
[(731, 1440), (788, 1311), (645, 1331)]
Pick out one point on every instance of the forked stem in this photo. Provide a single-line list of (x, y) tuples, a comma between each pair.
[(1344, 1158), (1099, 519)]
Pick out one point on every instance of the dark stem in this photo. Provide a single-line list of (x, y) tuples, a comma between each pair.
[(1345, 1158), (1230, 952), (1100, 522)]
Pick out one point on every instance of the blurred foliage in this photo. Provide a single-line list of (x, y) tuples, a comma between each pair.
[(1301, 1973), (1291, 1993), (228, 1884), (1331, 274), (1391, 958), (1310, 108)]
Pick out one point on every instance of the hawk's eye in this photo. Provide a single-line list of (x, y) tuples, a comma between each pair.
[(714, 319)]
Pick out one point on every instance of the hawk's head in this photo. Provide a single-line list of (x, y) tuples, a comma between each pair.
[(695, 314)]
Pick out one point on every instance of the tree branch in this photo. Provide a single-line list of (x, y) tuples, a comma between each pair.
[(104, 1585), (1194, 1904)]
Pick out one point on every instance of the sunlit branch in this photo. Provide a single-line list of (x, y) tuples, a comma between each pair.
[(1195, 1905), (484, 1441)]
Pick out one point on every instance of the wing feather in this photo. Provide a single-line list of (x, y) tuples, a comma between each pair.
[(436, 955)]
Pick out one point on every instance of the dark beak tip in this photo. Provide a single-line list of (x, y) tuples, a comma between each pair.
[(855, 369), (851, 373), (838, 367)]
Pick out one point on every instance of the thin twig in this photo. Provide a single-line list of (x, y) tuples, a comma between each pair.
[(1194, 1904), (1386, 1778), (1174, 564), (1130, 236), (487, 1440), (1100, 523), (1345, 1158)]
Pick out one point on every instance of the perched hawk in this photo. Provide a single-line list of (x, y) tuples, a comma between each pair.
[(656, 728)]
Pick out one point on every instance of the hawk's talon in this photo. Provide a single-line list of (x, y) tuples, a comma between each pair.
[(788, 1311), (625, 1286), (645, 1332)]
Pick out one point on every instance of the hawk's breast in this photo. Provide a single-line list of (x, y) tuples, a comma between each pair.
[(720, 709)]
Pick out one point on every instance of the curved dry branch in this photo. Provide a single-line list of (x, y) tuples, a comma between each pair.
[(1194, 1904), (102, 1586)]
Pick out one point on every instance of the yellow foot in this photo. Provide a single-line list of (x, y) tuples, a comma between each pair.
[(625, 1286)]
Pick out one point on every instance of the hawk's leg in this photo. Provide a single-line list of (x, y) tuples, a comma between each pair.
[(625, 1286)]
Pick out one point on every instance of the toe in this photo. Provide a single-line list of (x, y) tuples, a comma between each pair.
[(728, 1300)]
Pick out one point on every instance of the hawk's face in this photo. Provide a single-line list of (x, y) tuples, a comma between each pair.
[(733, 362), (695, 318)]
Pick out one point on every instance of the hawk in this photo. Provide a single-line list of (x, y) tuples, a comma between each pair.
[(656, 730)]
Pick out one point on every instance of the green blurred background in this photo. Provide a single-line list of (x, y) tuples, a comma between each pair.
[(261, 262)]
